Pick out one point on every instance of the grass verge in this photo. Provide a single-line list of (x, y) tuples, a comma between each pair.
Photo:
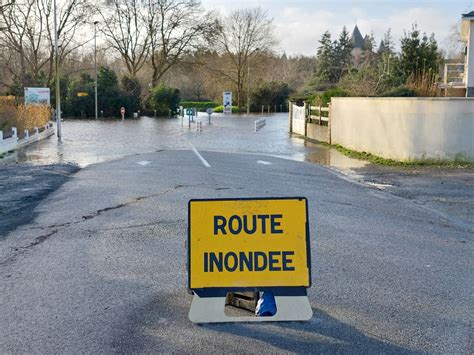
[(435, 163)]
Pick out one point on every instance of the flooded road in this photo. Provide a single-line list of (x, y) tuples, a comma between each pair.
[(86, 142)]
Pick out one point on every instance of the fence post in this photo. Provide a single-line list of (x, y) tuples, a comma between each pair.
[(27, 133), (290, 115), (305, 118), (14, 132), (1, 136), (329, 124), (36, 130)]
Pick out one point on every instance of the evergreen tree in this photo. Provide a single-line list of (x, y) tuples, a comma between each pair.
[(389, 45), (325, 66), (419, 54), (343, 54)]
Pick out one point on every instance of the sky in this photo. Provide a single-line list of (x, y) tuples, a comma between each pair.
[(299, 24)]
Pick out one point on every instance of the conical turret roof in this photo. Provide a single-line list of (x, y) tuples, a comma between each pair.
[(357, 39)]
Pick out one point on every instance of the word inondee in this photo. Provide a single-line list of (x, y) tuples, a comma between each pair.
[(249, 261)]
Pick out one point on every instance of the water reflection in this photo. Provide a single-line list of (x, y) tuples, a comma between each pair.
[(86, 142)]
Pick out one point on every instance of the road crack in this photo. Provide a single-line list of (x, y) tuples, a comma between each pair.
[(53, 229)]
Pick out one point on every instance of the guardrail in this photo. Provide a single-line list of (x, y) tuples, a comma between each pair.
[(12, 140), (259, 124)]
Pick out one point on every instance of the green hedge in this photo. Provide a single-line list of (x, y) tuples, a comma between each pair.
[(200, 105), (220, 109)]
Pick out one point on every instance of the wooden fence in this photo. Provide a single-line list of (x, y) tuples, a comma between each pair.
[(312, 122)]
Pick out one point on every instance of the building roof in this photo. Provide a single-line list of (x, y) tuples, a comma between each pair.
[(381, 47), (357, 39), (468, 15)]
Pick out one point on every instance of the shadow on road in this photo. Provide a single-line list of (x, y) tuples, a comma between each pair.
[(164, 325)]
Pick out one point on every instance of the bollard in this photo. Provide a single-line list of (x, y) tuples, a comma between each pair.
[(268, 109), (1, 136), (27, 133), (263, 109), (281, 108), (155, 113), (14, 132), (275, 109), (36, 130), (102, 113)]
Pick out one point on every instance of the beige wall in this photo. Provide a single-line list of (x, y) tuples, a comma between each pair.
[(317, 132), (405, 128)]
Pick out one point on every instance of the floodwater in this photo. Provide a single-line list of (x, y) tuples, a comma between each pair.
[(86, 142)]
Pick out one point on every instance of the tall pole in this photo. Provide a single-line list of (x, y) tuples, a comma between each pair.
[(58, 90), (95, 65), (248, 87)]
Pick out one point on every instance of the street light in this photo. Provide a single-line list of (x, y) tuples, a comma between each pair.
[(58, 91), (248, 82), (95, 65)]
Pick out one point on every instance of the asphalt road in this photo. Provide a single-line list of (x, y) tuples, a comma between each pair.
[(102, 267)]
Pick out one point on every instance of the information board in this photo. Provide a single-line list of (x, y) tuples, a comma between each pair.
[(227, 102), (37, 96)]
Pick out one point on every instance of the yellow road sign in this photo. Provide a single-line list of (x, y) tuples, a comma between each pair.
[(243, 243), (82, 94)]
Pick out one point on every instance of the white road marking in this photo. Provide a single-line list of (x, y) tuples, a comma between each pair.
[(144, 162), (204, 161), (264, 162)]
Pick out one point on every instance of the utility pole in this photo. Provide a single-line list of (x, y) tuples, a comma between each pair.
[(58, 89), (248, 82), (95, 65)]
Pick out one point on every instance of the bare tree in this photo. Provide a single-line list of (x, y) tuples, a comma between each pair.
[(72, 18), (27, 39), (124, 24), (175, 28), (241, 35)]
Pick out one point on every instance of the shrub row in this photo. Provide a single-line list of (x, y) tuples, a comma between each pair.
[(202, 106)]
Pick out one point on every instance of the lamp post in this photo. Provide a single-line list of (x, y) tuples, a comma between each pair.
[(248, 83), (58, 92), (95, 65)]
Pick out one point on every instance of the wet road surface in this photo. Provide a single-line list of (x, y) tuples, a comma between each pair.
[(98, 265)]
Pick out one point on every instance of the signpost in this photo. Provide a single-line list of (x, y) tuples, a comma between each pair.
[(122, 112), (237, 245), (190, 113), (210, 111), (227, 103)]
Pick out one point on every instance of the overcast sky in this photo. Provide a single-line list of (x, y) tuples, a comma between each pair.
[(300, 23)]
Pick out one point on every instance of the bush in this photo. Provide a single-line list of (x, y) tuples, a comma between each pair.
[(164, 98), (270, 93), (200, 105), (22, 116), (326, 96), (401, 91), (220, 109)]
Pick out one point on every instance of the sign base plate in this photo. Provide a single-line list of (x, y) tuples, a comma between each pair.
[(211, 310)]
